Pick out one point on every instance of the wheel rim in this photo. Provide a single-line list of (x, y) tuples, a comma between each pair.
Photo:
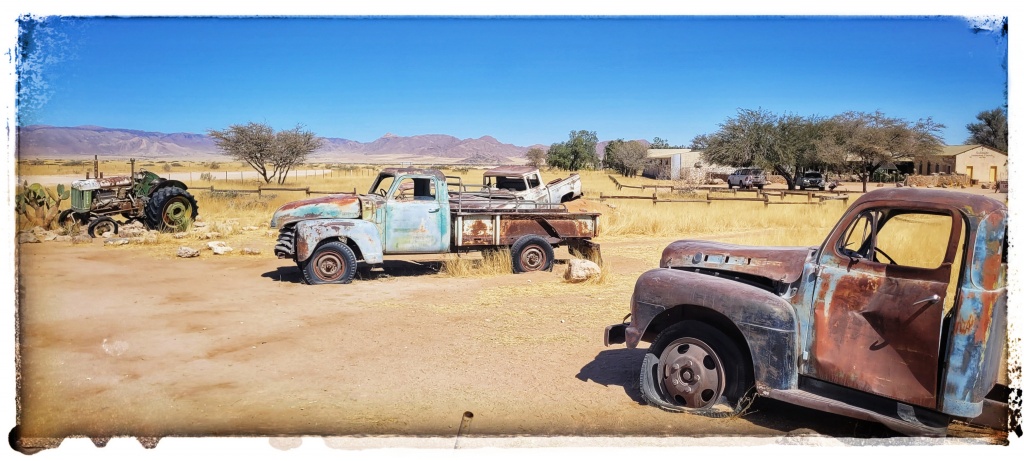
[(690, 374), (177, 212), (533, 258), (329, 266), (103, 227)]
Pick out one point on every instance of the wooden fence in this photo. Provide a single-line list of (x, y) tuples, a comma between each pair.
[(708, 194), (259, 190)]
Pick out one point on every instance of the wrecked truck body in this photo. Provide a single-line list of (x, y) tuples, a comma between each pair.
[(899, 317), (411, 211)]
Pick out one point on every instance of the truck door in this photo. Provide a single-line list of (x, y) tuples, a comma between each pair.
[(416, 219), (879, 299)]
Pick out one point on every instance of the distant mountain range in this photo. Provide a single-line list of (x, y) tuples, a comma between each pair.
[(42, 141)]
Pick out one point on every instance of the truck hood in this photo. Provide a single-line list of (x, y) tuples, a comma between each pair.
[(783, 264), (327, 207)]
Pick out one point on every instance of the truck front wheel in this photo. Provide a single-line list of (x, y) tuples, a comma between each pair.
[(694, 367), (333, 262), (532, 253)]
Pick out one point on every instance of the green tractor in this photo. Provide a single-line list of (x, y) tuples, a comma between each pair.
[(162, 204)]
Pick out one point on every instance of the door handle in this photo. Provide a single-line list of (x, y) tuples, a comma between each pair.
[(435, 210), (930, 299)]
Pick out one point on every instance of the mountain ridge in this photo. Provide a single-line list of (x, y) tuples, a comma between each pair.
[(47, 141)]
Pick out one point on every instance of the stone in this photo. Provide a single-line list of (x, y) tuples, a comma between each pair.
[(107, 235), (186, 252), (48, 236), (581, 269), (116, 241), (211, 235), (199, 224), (62, 238), (180, 235), (219, 247), (27, 237), (251, 251), (81, 238), (130, 232)]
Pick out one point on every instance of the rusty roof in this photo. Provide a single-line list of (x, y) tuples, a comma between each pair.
[(971, 204), (510, 170)]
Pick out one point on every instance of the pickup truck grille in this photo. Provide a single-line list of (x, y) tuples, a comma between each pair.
[(285, 248)]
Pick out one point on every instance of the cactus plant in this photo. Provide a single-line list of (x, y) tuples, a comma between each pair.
[(38, 206)]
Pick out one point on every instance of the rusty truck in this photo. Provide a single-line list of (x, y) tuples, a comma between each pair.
[(525, 183), (899, 317), (415, 211)]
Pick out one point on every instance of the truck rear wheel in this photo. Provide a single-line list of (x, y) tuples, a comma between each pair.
[(694, 367), (333, 262), (532, 253), (171, 208)]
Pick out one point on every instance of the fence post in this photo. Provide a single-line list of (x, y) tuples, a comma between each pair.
[(307, 191)]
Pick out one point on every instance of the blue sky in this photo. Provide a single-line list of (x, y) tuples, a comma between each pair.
[(522, 80)]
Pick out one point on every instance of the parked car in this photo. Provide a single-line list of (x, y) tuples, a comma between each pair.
[(746, 178), (811, 179)]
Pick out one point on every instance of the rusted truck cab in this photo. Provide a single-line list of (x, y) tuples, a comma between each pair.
[(898, 317)]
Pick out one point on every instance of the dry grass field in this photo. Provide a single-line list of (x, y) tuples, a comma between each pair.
[(139, 342)]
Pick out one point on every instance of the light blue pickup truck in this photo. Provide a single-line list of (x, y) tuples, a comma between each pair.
[(417, 211)]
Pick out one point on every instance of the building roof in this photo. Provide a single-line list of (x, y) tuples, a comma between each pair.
[(953, 151), (666, 153)]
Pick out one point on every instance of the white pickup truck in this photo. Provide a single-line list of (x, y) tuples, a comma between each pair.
[(525, 183)]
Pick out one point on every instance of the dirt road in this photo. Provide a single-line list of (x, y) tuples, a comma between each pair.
[(118, 341)]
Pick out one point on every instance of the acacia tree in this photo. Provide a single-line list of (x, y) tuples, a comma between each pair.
[(869, 141), (758, 138), (990, 130), (270, 154), (291, 148), (536, 156)]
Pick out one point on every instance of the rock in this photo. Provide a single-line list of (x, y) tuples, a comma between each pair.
[(27, 237), (227, 230), (199, 224), (107, 235), (131, 232), (581, 269), (37, 230), (219, 247), (47, 236), (134, 225), (180, 235), (81, 238), (251, 251), (186, 252), (116, 241), (62, 238), (211, 235)]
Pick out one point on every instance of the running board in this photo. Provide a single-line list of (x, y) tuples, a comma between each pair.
[(909, 426)]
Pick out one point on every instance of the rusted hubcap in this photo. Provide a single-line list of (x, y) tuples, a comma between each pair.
[(329, 266), (533, 258), (691, 374)]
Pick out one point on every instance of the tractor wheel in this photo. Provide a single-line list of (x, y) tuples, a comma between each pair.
[(333, 262), (71, 222), (532, 253), (100, 226), (171, 209), (694, 367)]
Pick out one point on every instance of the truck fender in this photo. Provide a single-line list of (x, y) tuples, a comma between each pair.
[(767, 322), (364, 234), (168, 183)]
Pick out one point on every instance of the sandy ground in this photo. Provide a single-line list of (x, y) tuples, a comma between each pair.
[(118, 341)]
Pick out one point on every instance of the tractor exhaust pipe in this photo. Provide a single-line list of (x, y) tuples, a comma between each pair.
[(95, 166)]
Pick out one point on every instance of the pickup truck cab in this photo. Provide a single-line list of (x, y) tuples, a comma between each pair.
[(898, 317), (411, 211), (525, 183)]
